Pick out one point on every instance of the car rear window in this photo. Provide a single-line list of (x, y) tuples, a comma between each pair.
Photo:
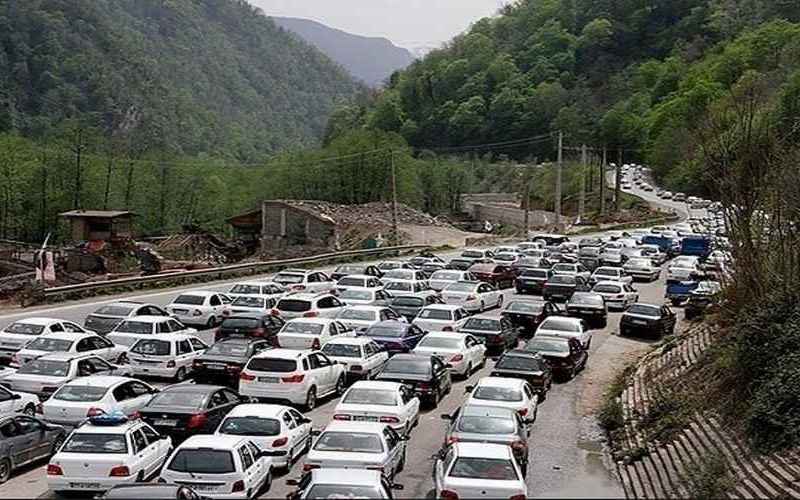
[(644, 310), (96, 443), (302, 328), (460, 287), (384, 331), (400, 274), (408, 302), (349, 281), (24, 329), (190, 300), (80, 393), (484, 468), (440, 342), (178, 399), (119, 311), (607, 272), (288, 278), (562, 279), (446, 276), (259, 302), (472, 254), (587, 299), (525, 363), (379, 397), (138, 327), (481, 424), (490, 393), (409, 366), (535, 273), (354, 294), (607, 289), (342, 350), (560, 324), (400, 286), (203, 461), (486, 324), (246, 289), (240, 323), (277, 365), (294, 305), (350, 442), (250, 426), (44, 367), (323, 491), (237, 349), (525, 307), (152, 347), (440, 314), (358, 314)]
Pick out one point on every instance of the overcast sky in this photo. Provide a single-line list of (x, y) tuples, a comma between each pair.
[(409, 23)]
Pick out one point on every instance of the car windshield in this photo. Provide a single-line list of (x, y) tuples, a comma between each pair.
[(190, 300), (342, 350), (259, 302), (440, 342), (302, 328), (349, 269), (491, 393), (178, 398), (408, 302), (446, 276), (343, 491), (644, 310), (80, 393), (495, 469), (410, 366), (639, 263), (485, 424), (472, 254), (139, 327), (486, 324), (95, 443), (586, 299), (236, 349), (246, 290), (529, 262), (24, 329), (240, 323), (506, 257), (607, 289), (523, 363), (294, 305), (402, 286), (112, 310), (152, 347), (525, 307), (45, 367), (349, 281), (562, 279), (439, 314), (564, 268), (400, 274), (203, 461), (358, 314), (460, 287), (50, 345), (560, 325), (349, 442), (353, 294), (386, 331), (379, 397), (288, 278), (607, 272), (535, 273), (272, 365), (250, 426)]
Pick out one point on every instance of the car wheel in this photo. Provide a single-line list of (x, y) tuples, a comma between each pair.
[(212, 322), (500, 302), (29, 410), (340, 386), (311, 399), (468, 372), (59, 440), (5, 470), (267, 482), (180, 375)]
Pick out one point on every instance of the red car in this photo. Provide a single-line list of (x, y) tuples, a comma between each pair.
[(499, 275)]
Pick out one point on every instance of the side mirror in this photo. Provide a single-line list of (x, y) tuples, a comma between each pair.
[(292, 482), (445, 416), (15, 396), (398, 487), (469, 388), (316, 433)]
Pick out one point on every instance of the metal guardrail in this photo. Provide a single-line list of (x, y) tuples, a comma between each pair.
[(220, 272)]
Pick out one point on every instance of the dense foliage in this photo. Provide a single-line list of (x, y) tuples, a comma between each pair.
[(214, 77)]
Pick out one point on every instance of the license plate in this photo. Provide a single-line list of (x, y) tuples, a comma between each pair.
[(269, 380), (165, 422), (215, 366), (86, 486), (639, 322), (364, 418), (203, 487)]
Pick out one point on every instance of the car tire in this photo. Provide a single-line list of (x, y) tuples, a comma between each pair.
[(30, 410), (500, 302), (180, 375), (340, 386), (311, 399), (212, 322), (468, 372), (5, 470)]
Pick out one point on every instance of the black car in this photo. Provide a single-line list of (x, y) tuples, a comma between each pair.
[(460, 264), (590, 307), (24, 440), (428, 376), (527, 365), (590, 242), (257, 325), (532, 280), (562, 286), (526, 263), (182, 410), (526, 315), (395, 336), (565, 356), (498, 333), (348, 269), (647, 320), (151, 491), (409, 306), (589, 257), (432, 267), (223, 362)]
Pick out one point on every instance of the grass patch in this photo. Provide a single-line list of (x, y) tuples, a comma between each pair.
[(610, 415), (669, 413), (710, 479)]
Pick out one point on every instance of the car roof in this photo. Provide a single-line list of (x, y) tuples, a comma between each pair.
[(219, 442), (296, 271), (349, 341), (522, 353), (477, 409), (346, 426), (657, 306), (500, 382), (318, 321), (375, 384), (482, 450), (38, 321), (257, 410), (68, 335), (282, 353), (361, 477), (100, 381), (199, 388), (149, 319), (445, 307), (204, 293), (360, 276)]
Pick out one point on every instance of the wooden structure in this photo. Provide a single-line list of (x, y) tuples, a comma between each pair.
[(99, 225), (281, 223)]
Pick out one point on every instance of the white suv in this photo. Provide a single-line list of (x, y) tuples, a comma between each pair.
[(301, 280), (308, 305), (168, 355), (14, 336), (299, 377), (129, 331), (200, 308)]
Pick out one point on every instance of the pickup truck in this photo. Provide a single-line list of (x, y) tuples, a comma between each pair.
[(699, 246)]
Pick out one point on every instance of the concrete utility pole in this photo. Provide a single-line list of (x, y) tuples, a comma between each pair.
[(618, 182), (603, 182), (558, 176), (582, 199), (395, 230), (526, 202)]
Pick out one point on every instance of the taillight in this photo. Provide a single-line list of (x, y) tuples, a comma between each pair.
[(197, 420), (519, 445), (196, 365), (522, 412), (247, 377), (315, 344), (238, 486), (94, 412), (457, 357), (518, 497), (389, 420), (339, 416), (356, 368), (311, 314), (54, 470), (448, 495), (308, 467), (447, 329), (234, 368), (280, 442), (171, 363), (294, 379), (259, 332), (451, 440), (275, 312), (120, 471)]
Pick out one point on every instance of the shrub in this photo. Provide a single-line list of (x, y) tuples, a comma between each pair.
[(774, 419)]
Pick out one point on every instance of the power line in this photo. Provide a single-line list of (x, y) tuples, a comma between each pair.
[(484, 146)]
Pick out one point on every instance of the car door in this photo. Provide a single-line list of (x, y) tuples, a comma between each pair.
[(7, 401), (104, 348), (142, 455), (218, 406), (157, 448), (183, 353), (18, 445), (290, 424), (250, 470), (475, 350), (97, 366), (72, 327), (214, 304), (141, 394), (326, 371), (302, 431), (442, 465), (395, 446), (198, 346), (410, 404), (439, 371), (324, 282)]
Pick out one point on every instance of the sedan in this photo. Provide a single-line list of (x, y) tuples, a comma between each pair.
[(428, 376), (223, 362), (395, 336), (641, 268), (409, 306), (84, 343), (361, 357), (608, 273), (497, 333), (648, 319), (16, 335), (474, 296), (566, 356), (590, 307), (43, 376), (441, 318), (572, 270), (440, 279), (108, 316), (255, 325), (24, 440), (360, 318), (348, 269), (532, 280), (499, 275), (331, 483), (563, 327), (358, 282), (476, 470), (255, 304), (528, 366), (365, 297), (385, 402), (460, 264), (464, 353), (617, 295), (92, 396), (526, 315), (562, 286), (200, 308), (512, 393)]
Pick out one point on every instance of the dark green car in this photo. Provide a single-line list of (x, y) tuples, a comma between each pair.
[(24, 440)]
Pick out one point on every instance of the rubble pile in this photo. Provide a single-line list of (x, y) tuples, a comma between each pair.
[(200, 246), (374, 214)]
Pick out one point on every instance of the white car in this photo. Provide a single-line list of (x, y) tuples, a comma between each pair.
[(43, 376), (302, 280), (107, 451), (506, 258), (365, 297), (331, 483), (564, 327), (268, 289), (612, 255), (130, 331), (642, 268), (506, 249), (90, 396), (300, 377), (479, 470), (225, 467), (200, 308), (441, 318), (311, 333), (253, 304), (17, 402), (474, 296), (270, 427), (361, 357), (409, 288), (525, 246), (513, 393), (308, 305), (104, 319), (83, 343), (683, 268), (14, 336), (166, 355), (360, 318), (358, 445), (403, 275), (572, 270), (440, 279), (358, 281), (618, 295), (607, 273), (463, 352), (478, 255), (385, 402)]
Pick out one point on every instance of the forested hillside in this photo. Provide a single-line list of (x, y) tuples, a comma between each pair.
[(212, 77), (633, 74)]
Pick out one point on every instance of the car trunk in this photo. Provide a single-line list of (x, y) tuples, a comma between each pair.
[(363, 412), (345, 460), (297, 340), (89, 465), (433, 325), (409, 312), (206, 483), (536, 379), (34, 384), (66, 411), (483, 488), (167, 419), (101, 324)]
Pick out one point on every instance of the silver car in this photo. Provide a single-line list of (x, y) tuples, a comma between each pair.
[(45, 375)]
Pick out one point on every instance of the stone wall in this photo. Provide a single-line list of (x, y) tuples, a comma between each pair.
[(284, 225), (511, 216)]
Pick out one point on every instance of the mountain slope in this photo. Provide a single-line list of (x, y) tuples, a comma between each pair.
[(187, 77), (371, 60)]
